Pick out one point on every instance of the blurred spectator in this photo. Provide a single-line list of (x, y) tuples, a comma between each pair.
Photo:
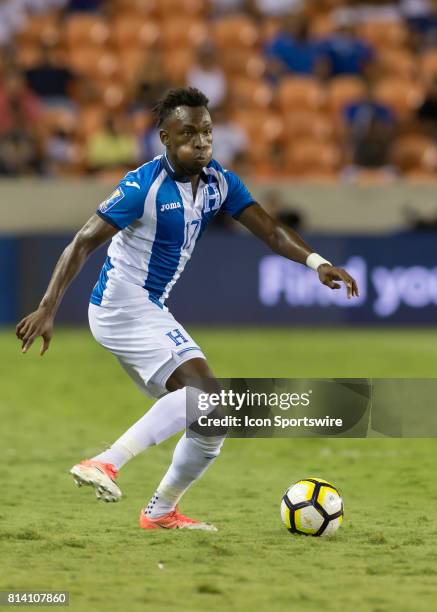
[(292, 49), (60, 151), (112, 147), (275, 8), (19, 115), (421, 16), (230, 140), (276, 207), (150, 144), (361, 12), (88, 6), (19, 153), (15, 13), (17, 103), (370, 130), (412, 9), (12, 19), (152, 82), (207, 76), (50, 79), (345, 53), (223, 7), (427, 113)]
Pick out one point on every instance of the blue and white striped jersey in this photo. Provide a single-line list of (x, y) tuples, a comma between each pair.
[(160, 223)]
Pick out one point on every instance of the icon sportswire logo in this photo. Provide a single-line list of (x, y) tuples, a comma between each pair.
[(170, 206)]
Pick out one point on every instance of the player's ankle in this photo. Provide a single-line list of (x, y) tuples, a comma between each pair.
[(158, 507)]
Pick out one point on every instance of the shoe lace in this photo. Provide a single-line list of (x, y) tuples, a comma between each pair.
[(176, 514)]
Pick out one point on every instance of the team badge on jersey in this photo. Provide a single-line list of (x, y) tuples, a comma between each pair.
[(212, 197), (115, 197)]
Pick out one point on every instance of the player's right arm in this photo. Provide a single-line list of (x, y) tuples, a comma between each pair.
[(93, 234)]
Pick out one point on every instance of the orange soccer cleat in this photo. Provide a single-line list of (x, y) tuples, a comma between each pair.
[(173, 520), (100, 475)]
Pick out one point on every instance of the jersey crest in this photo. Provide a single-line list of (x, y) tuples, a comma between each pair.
[(212, 197)]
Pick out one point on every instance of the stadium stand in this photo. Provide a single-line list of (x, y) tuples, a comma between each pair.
[(117, 56)]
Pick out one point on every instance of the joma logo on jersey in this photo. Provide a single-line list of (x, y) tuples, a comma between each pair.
[(170, 206)]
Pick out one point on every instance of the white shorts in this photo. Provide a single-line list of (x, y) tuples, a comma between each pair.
[(147, 340)]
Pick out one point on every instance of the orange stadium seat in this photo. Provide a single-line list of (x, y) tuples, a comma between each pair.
[(398, 63), (140, 121), (40, 29), (94, 62), (300, 92), (268, 28), (308, 123), (138, 8), (343, 91), (91, 120), (83, 59), (252, 93), (244, 62), (384, 33), (402, 96), (129, 31), (428, 65), (179, 32), (414, 152), (322, 25), (263, 126), (306, 157), (264, 130), (235, 31), (189, 8), (177, 62), (322, 7), (131, 61), (85, 29), (112, 93), (28, 54)]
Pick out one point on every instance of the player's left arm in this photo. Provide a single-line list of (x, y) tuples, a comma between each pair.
[(286, 242)]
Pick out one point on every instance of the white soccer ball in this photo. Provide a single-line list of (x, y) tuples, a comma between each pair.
[(313, 507)]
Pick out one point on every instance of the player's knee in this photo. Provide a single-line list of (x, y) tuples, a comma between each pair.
[(193, 373)]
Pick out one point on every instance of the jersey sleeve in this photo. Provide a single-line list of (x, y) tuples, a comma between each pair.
[(238, 197), (124, 205)]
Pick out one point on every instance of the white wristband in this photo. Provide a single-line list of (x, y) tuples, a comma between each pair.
[(314, 260)]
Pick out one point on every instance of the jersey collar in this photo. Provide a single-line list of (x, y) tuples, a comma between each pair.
[(172, 172)]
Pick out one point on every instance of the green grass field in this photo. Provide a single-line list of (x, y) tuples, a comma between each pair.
[(70, 404)]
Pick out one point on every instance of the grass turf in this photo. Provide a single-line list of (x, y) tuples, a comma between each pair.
[(76, 399)]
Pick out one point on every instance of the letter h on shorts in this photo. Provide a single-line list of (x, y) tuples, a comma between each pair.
[(176, 336)]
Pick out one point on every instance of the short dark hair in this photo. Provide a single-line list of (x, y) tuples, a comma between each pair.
[(180, 96)]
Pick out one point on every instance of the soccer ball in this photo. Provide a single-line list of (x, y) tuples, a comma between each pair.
[(312, 507)]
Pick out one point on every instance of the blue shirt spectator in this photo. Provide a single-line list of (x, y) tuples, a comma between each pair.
[(299, 56), (346, 54), (370, 130), (364, 113), (292, 49)]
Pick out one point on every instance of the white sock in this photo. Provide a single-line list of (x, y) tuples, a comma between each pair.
[(164, 419), (191, 458)]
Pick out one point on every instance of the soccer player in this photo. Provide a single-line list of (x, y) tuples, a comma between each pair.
[(154, 218)]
